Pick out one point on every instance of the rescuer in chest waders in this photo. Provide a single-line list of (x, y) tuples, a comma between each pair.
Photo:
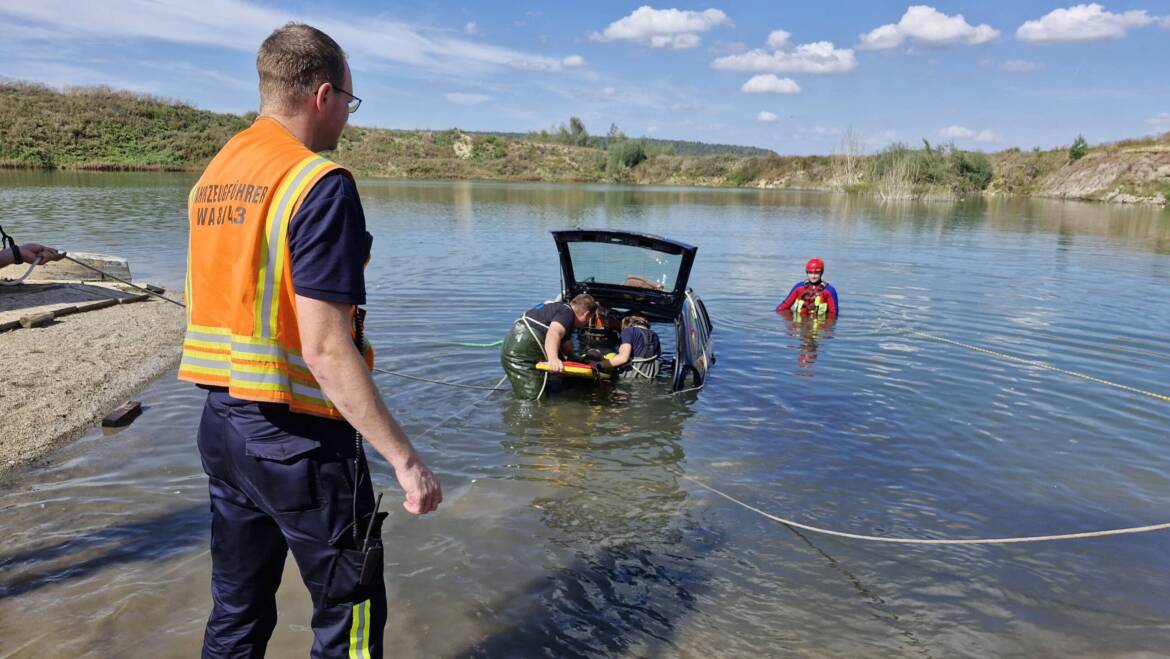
[(542, 334), (274, 333), (812, 297)]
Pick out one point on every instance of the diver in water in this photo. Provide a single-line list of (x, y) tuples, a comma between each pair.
[(638, 352), (542, 334), (812, 297)]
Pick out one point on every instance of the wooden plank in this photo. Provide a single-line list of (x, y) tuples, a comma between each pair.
[(123, 414), (134, 298), (36, 319), (94, 306), (64, 311)]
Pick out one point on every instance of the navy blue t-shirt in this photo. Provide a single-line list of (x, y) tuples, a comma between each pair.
[(547, 313), (329, 244), (643, 342)]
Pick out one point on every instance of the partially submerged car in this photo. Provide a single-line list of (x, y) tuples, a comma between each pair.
[(629, 273)]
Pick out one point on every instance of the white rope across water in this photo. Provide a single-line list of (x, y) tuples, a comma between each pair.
[(927, 541)]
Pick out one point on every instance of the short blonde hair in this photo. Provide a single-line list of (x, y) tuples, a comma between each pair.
[(584, 302), (293, 62)]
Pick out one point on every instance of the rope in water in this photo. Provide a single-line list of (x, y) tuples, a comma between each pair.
[(449, 384), (493, 344), (927, 541), (1039, 364)]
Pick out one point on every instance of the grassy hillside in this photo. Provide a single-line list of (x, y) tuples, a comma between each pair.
[(98, 128)]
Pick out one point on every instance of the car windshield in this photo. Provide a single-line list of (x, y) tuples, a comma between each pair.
[(624, 265)]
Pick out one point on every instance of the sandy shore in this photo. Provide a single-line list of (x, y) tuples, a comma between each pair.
[(62, 379)]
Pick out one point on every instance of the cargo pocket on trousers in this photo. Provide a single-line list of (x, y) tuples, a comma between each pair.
[(344, 582), (285, 475)]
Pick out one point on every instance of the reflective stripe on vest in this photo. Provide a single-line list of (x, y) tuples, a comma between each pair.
[(814, 300), (242, 330)]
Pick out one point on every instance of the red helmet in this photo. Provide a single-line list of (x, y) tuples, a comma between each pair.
[(814, 265)]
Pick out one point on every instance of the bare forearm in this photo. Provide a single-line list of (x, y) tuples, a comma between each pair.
[(346, 381)]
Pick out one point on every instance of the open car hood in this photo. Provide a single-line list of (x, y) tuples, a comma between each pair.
[(626, 270)]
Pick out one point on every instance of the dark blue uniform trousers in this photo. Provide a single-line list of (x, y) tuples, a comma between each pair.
[(281, 481)]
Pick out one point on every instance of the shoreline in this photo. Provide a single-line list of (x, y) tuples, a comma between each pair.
[(1114, 198), (60, 380)]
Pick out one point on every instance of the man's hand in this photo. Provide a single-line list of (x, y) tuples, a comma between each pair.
[(30, 252), (423, 493), (555, 365)]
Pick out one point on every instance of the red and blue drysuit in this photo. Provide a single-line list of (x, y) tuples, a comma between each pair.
[(807, 299)]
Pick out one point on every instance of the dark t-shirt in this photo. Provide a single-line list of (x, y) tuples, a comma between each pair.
[(329, 244), (547, 313), (642, 342)]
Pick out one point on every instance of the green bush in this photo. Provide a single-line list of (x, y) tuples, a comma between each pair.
[(1078, 149), (746, 172), (971, 172), (624, 156)]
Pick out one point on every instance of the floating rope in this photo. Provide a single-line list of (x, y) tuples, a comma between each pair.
[(495, 387), (493, 344), (925, 541), (1039, 364)]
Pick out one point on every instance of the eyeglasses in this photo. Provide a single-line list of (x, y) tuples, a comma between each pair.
[(354, 104)]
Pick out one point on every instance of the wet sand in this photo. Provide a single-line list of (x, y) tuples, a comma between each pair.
[(61, 379)]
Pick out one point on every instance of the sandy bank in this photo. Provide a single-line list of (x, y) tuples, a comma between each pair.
[(61, 379)]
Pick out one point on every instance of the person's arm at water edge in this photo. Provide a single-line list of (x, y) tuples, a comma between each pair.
[(29, 253), (342, 373), (552, 346)]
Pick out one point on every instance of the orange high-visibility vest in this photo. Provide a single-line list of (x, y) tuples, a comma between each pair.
[(242, 330)]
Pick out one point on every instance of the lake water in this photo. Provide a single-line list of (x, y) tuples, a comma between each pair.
[(568, 529)]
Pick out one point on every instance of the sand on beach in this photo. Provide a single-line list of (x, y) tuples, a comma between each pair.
[(61, 379)]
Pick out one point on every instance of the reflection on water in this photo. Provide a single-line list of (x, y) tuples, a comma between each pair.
[(566, 530)]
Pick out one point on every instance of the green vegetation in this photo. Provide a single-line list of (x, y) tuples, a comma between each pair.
[(899, 172), (97, 128), (1078, 149)]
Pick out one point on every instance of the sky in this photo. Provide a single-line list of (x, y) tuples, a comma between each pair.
[(795, 77)]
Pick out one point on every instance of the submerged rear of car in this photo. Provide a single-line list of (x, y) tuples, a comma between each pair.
[(633, 273)]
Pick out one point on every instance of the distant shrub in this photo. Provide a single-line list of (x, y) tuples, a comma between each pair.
[(1078, 149), (624, 156), (746, 172), (972, 172)]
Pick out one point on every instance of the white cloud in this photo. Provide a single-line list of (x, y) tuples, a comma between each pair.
[(663, 28), (1160, 120), (573, 62), (766, 117), (1019, 66), (462, 98), (964, 133), (471, 28), (770, 84), (778, 39), (1082, 23), (810, 58), (930, 27), (240, 25)]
